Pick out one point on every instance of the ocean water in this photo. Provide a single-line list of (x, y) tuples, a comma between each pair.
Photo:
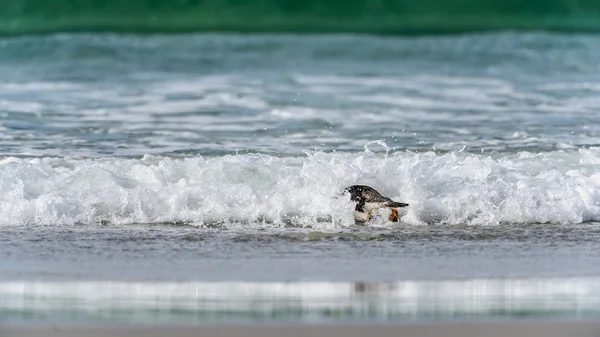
[(213, 158), (406, 17)]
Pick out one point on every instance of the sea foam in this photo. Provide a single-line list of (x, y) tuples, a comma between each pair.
[(256, 190)]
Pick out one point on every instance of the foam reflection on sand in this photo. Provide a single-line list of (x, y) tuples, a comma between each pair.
[(298, 302)]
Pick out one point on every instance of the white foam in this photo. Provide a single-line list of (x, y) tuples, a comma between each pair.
[(257, 190)]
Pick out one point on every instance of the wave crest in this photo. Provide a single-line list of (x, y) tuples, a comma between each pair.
[(258, 190)]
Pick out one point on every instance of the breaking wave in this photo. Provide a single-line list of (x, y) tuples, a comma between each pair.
[(258, 190)]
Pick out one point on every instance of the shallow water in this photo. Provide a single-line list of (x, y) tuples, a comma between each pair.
[(177, 253)]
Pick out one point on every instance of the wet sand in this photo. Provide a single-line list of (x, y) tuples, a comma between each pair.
[(545, 328)]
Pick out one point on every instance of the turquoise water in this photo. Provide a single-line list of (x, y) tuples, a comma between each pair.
[(406, 17), (252, 130)]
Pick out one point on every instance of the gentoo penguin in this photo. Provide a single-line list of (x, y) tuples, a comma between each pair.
[(368, 200)]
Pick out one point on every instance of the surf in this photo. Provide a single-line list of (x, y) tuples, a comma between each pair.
[(254, 190)]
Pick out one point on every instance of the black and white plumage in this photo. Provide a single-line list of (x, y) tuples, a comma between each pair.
[(367, 200)]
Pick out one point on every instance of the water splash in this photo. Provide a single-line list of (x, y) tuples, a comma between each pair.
[(254, 191)]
